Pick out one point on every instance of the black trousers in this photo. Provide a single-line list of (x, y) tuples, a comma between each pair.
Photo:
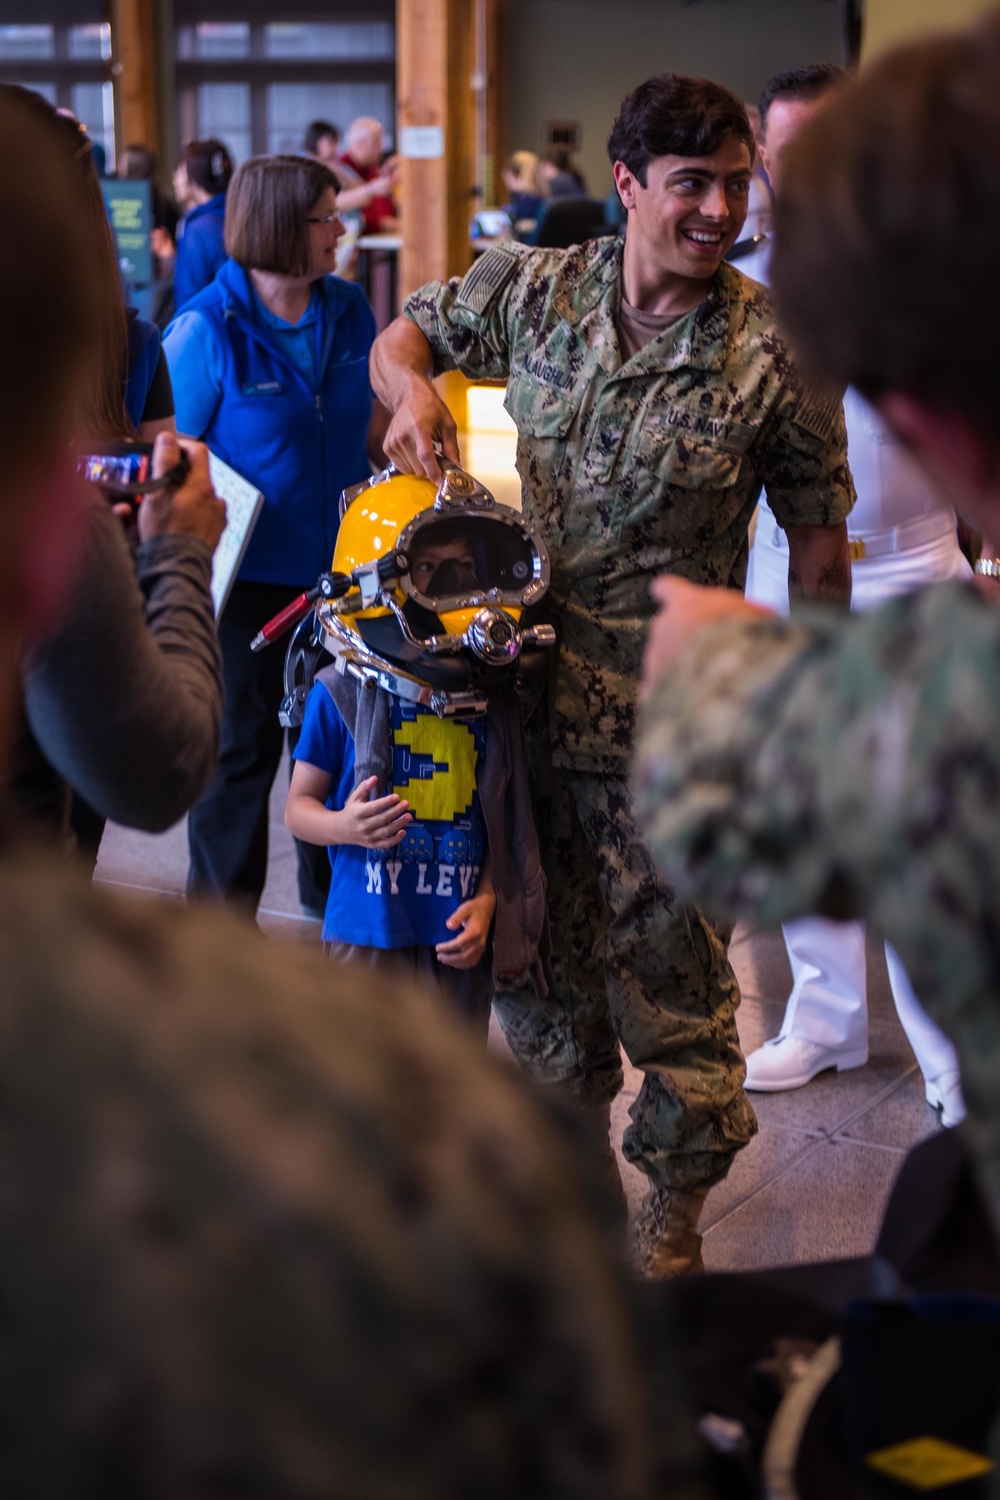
[(228, 826)]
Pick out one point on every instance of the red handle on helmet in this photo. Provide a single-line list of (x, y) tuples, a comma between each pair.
[(284, 620)]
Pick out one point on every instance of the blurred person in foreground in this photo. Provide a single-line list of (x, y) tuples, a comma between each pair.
[(267, 1230), (849, 766), (122, 700), (201, 180)]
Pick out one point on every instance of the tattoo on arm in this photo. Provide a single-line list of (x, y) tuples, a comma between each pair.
[(819, 566), (832, 586)]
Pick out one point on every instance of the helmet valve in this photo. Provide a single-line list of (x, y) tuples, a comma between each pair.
[(494, 637)]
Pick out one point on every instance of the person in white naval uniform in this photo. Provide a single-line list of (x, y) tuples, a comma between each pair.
[(902, 536)]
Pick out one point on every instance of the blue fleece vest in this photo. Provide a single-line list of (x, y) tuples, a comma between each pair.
[(299, 444)]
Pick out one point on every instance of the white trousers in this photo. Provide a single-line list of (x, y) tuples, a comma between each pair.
[(828, 1003)]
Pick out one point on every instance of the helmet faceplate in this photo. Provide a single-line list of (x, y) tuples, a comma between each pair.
[(450, 622)]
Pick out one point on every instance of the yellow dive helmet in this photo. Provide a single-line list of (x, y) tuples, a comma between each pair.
[(442, 575)]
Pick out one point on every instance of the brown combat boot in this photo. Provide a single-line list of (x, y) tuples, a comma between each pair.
[(665, 1238)]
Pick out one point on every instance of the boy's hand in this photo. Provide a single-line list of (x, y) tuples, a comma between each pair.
[(374, 825), (473, 917)]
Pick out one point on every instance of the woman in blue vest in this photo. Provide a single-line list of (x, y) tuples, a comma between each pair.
[(270, 369)]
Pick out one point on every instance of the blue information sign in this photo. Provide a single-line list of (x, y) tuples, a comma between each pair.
[(131, 213)]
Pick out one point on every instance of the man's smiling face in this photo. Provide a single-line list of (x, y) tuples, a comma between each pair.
[(690, 210)]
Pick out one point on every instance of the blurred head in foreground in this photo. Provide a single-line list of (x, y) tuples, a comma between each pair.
[(53, 297), (887, 242), (266, 1231)]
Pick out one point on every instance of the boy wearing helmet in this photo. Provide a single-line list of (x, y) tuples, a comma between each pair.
[(389, 779)]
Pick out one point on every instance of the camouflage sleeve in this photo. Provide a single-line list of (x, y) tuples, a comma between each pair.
[(465, 319), (849, 767), (805, 468), (832, 766)]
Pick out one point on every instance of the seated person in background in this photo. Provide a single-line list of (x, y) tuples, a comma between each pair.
[(560, 176), (268, 1229), (322, 140), (366, 176), (523, 180), (200, 182)]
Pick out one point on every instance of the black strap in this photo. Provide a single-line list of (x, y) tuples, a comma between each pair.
[(743, 248)]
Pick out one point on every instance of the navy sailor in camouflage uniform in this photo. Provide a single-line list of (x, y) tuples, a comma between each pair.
[(653, 397)]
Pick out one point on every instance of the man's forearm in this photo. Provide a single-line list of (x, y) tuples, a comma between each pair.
[(422, 431), (400, 357), (819, 565)]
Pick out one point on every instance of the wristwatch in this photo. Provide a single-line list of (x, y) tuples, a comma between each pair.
[(988, 567)]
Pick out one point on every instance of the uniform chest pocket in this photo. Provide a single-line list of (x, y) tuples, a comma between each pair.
[(673, 458), (682, 485), (539, 411)]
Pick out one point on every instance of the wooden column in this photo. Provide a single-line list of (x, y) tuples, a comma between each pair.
[(135, 40), (436, 111)]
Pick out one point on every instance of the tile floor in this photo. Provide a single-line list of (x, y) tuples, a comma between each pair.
[(810, 1186)]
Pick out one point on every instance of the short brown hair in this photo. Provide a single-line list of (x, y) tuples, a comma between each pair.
[(888, 228), (674, 115), (267, 204)]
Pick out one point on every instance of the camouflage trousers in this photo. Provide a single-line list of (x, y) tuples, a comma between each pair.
[(635, 964)]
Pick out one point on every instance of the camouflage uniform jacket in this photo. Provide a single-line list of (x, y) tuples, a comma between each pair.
[(636, 469), (849, 767)]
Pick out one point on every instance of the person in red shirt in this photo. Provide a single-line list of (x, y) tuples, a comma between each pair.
[(366, 178)]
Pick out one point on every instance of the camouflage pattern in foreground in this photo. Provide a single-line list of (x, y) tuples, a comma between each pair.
[(272, 1230), (637, 469), (849, 767)]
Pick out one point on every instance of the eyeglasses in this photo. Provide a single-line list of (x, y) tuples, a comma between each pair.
[(327, 219)]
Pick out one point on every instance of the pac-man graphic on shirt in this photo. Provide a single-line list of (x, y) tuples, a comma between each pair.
[(434, 767)]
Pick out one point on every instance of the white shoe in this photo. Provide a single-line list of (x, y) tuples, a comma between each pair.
[(788, 1062), (945, 1093)]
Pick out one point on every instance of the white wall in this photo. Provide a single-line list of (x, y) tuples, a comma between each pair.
[(575, 59)]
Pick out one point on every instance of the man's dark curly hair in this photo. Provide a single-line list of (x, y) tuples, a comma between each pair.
[(673, 115)]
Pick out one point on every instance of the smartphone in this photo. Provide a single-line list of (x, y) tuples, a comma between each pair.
[(117, 464)]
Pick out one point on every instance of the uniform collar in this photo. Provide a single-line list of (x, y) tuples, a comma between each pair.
[(590, 304)]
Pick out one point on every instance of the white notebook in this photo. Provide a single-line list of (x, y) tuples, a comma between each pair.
[(243, 503)]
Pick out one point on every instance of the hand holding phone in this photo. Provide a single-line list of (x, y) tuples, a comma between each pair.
[(193, 508)]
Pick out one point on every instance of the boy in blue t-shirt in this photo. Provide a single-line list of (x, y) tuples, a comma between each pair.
[(411, 887)]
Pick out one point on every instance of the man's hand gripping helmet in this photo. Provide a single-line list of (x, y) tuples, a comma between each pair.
[(442, 576)]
